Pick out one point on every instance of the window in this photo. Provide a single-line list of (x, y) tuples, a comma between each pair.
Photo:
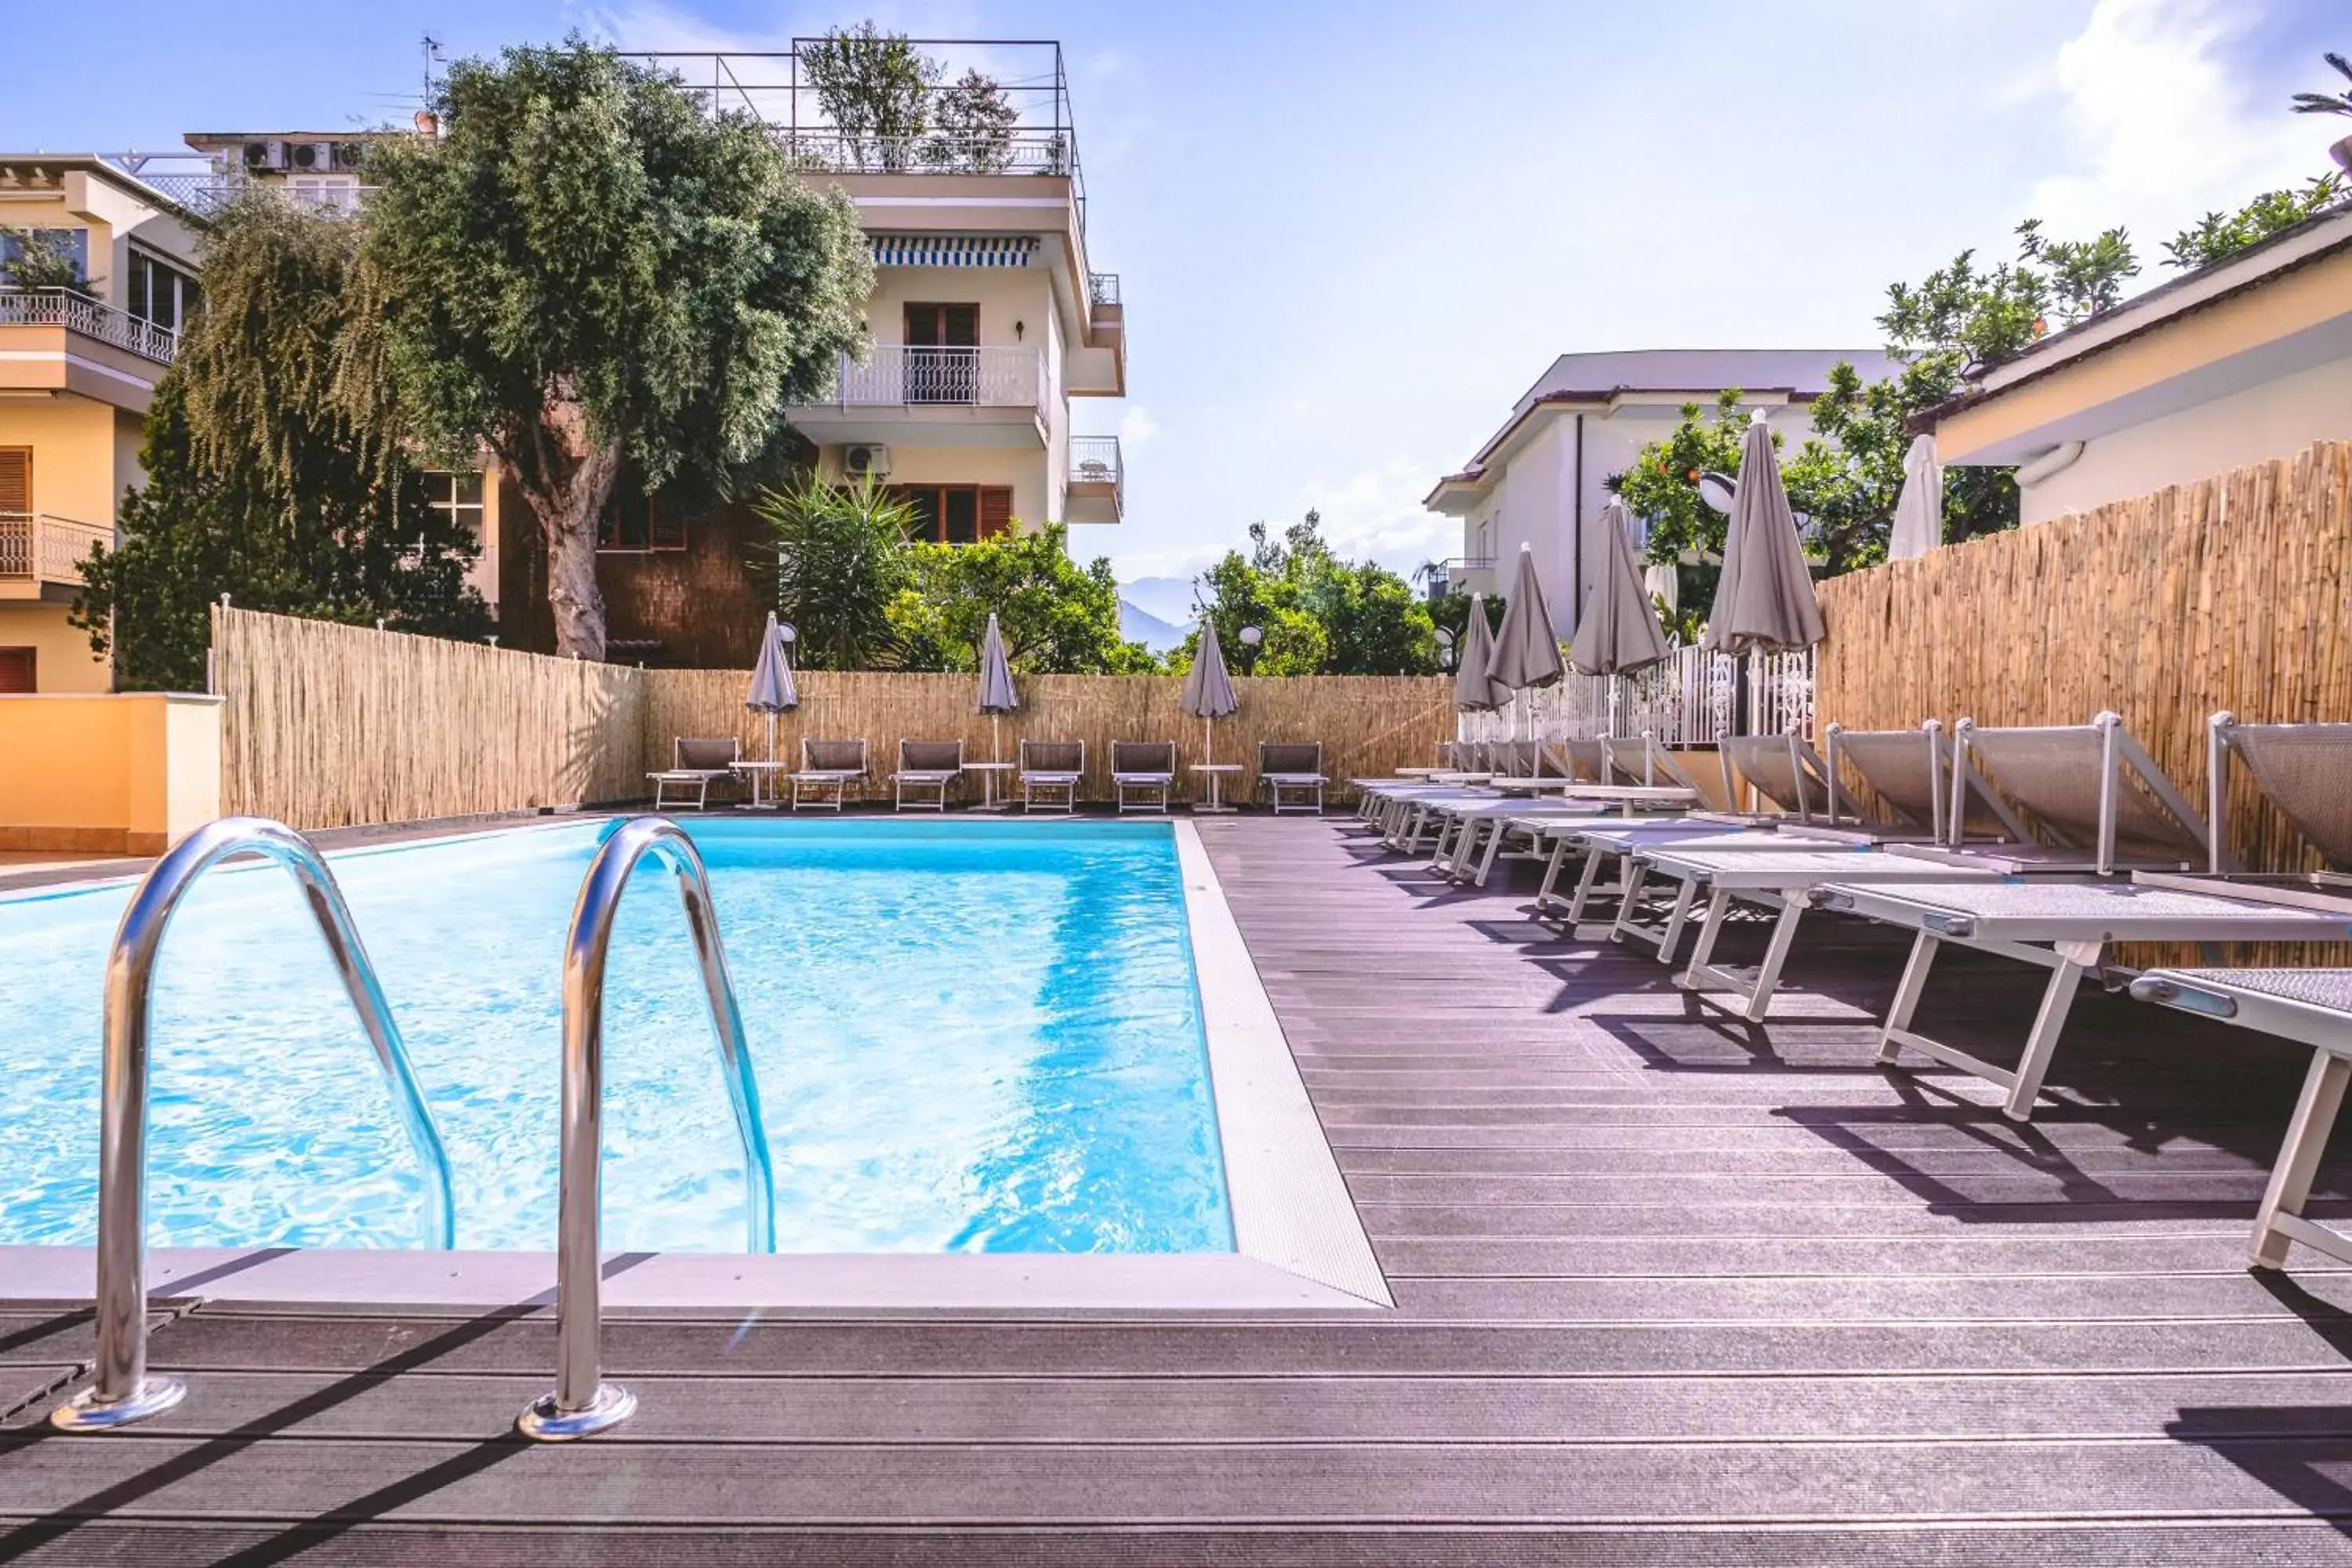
[(942, 353), (159, 292), (71, 243), (958, 514), (15, 481), (458, 496), (341, 192), (634, 522), (18, 668)]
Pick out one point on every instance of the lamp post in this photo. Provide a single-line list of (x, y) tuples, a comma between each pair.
[(1445, 649), (1251, 638)]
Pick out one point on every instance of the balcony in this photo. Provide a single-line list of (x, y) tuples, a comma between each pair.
[(54, 341), (41, 555), (1098, 491), (990, 396), (1463, 574), (88, 317)]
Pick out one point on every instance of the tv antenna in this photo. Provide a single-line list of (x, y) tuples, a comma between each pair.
[(433, 54)]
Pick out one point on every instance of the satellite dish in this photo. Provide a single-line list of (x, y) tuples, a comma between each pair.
[(1717, 490)]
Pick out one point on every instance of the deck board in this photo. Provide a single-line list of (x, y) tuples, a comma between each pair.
[(1671, 1289)]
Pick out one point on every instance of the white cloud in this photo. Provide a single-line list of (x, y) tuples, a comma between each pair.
[(2162, 124), (1137, 426), (1378, 512)]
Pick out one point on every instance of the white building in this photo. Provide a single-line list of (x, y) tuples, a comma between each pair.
[(1542, 478)]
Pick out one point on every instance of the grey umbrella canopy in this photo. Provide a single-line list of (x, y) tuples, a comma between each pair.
[(1475, 691), (1764, 602), (1208, 692), (772, 691), (996, 694), (1618, 633), (1919, 510), (1527, 650)]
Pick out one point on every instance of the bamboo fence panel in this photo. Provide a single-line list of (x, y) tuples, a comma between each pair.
[(1370, 725), (326, 725), (2226, 593)]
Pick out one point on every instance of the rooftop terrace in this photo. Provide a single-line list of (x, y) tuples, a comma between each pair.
[(1669, 1288)]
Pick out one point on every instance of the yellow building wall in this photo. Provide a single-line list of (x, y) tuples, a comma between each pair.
[(61, 658), (1023, 469), (107, 774), (79, 453)]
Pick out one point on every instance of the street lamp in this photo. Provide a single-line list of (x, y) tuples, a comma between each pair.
[(1251, 638), (1445, 648)]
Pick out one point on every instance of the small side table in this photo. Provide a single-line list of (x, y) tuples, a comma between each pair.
[(988, 771), (755, 771), (1214, 805)]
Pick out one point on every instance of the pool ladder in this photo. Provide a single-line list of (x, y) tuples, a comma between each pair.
[(122, 1391)]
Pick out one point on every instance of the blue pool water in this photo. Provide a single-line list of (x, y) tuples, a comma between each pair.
[(968, 1035)]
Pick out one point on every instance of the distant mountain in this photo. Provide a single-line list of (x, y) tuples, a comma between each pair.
[(1136, 624), (1167, 599)]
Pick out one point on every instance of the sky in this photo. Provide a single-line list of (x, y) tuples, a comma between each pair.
[(1351, 235)]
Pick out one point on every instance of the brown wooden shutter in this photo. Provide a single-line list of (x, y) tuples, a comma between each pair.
[(16, 479), (995, 509), (665, 525), (17, 666), (959, 326)]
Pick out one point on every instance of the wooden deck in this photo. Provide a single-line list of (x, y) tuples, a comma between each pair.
[(1671, 1290)]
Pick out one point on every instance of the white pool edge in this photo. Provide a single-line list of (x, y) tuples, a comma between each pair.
[(1298, 1241)]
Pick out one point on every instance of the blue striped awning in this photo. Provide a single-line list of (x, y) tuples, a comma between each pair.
[(952, 249)]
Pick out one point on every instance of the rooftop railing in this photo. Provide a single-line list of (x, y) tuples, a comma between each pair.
[(1096, 460), (1103, 287), (777, 88), (78, 312)]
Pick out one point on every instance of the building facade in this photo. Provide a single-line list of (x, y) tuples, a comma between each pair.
[(1541, 480), (79, 365), (2242, 360)]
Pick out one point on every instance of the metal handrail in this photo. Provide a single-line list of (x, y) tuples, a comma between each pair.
[(582, 1401), (123, 1392)]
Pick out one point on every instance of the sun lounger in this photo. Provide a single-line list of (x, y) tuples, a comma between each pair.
[(1292, 767), (926, 765), (1463, 829), (1050, 774), (695, 763), (2304, 770), (1146, 768), (828, 767), (2312, 1007), (1594, 846)]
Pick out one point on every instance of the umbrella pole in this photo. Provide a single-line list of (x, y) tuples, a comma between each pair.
[(995, 740)]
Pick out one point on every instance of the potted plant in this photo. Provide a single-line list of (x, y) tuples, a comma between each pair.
[(2332, 103)]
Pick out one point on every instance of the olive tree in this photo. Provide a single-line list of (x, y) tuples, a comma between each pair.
[(585, 270)]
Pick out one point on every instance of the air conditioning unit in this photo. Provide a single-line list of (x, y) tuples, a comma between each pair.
[(347, 155), (311, 157), (866, 460), (265, 154)]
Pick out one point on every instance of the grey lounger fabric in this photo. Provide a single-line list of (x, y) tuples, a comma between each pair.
[(695, 763), (1142, 771)]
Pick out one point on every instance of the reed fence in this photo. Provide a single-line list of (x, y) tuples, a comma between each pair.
[(332, 726), (1370, 725), (2225, 594)]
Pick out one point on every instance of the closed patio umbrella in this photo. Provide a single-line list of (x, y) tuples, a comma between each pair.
[(1617, 632), (772, 690), (996, 694), (1527, 650), (1475, 691), (1208, 692), (1919, 510), (1764, 602)]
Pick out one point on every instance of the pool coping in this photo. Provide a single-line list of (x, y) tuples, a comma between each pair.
[(1298, 1240)]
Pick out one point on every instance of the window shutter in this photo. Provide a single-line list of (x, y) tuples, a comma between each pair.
[(959, 326), (665, 527), (17, 670), (16, 479), (995, 509)]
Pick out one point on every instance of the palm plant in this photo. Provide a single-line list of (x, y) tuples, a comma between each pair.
[(840, 558), (2327, 103)]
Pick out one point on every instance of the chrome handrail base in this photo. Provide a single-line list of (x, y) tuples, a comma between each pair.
[(85, 1411), (546, 1421)]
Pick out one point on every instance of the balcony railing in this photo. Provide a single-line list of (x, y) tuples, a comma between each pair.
[(901, 375), (1103, 287), (35, 547), (91, 318), (1095, 460), (209, 190)]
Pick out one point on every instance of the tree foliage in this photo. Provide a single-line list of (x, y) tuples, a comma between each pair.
[(1055, 617), (260, 483), (885, 99), (1318, 615), (840, 557), (586, 271), (2219, 236)]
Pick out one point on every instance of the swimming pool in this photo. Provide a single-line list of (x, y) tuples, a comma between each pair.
[(969, 1035)]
